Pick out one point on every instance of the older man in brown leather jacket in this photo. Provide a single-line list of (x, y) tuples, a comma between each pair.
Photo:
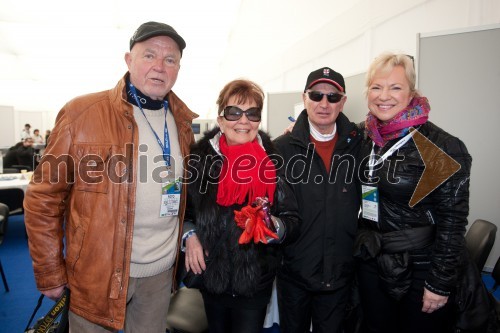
[(105, 184)]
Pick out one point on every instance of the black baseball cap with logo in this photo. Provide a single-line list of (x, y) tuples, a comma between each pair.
[(325, 75)]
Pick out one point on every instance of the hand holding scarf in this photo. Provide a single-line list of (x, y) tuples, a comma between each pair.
[(251, 219)]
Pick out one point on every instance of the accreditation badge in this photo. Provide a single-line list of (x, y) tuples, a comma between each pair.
[(369, 201), (170, 196)]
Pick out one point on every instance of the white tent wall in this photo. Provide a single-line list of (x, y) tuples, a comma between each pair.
[(277, 43), (280, 49)]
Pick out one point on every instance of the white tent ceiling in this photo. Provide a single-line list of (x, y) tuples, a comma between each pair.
[(52, 51)]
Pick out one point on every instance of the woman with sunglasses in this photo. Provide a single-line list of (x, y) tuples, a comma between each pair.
[(410, 243), (239, 212)]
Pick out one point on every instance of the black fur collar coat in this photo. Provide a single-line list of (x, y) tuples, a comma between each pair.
[(234, 269)]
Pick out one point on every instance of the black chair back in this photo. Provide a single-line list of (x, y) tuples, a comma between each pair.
[(4, 220), (479, 240), (13, 198)]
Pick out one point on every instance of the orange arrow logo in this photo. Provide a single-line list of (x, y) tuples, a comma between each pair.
[(439, 167)]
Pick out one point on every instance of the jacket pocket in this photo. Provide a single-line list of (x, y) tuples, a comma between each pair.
[(92, 168)]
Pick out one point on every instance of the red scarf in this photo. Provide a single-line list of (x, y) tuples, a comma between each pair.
[(238, 182)]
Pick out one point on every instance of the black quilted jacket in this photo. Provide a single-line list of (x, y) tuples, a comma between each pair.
[(446, 207)]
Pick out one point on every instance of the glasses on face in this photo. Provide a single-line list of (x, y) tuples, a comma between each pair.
[(317, 96), (233, 113)]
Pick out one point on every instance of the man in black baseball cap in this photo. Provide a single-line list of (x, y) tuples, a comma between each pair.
[(122, 228), (326, 75), (314, 281)]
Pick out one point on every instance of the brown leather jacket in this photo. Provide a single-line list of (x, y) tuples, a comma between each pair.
[(84, 189)]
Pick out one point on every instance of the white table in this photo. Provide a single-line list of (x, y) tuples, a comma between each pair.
[(14, 180)]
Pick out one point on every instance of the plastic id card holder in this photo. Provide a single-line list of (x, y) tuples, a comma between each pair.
[(369, 202), (170, 197)]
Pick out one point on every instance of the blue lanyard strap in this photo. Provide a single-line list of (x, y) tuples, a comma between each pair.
[(165, 145)]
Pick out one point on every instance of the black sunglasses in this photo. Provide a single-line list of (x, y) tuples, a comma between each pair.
[(317, 96), (233, 113)]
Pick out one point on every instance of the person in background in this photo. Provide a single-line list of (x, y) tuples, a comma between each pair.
[(22, 154), (47, 135), (315, 278), (38, 144), (37, 138), (410, 256), (25, 133), (99, 186), (232, 169)]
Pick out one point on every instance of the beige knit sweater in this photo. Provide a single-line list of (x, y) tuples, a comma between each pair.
[(155, 238)]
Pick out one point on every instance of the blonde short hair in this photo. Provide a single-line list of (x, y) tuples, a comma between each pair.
[(385, 62)]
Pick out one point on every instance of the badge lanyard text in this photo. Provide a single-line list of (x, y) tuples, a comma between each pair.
[(372, 163)]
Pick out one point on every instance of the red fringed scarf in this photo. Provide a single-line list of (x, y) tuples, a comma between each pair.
[(238, 183)]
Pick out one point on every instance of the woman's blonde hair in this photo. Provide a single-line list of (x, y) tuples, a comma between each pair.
[(385, 63)]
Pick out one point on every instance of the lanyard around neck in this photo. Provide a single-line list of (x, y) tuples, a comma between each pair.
[(165, 145), (372, 163)]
